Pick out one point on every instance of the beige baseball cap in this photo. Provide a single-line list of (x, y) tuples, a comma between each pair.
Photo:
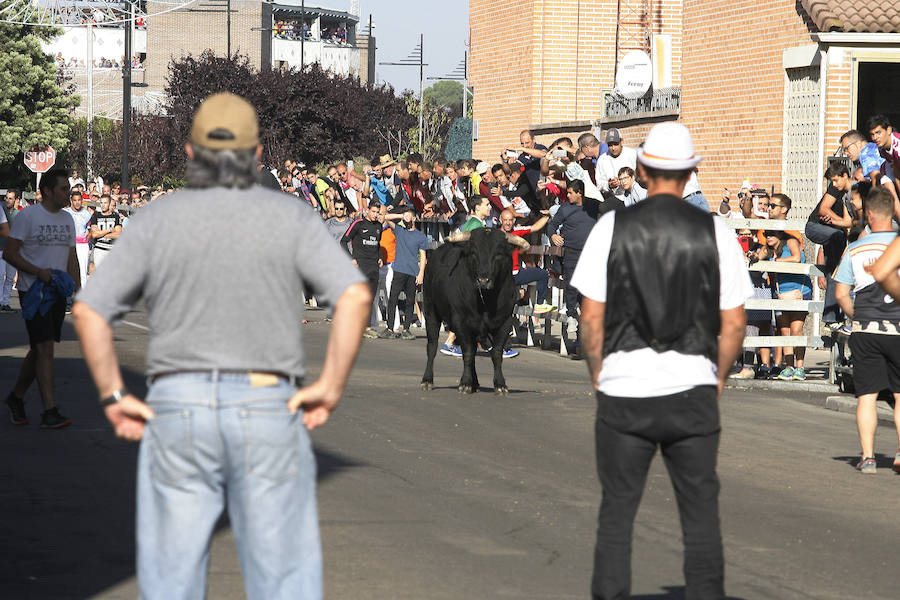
[(225, 121)]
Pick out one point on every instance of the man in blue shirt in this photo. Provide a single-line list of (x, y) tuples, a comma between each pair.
[(873, 166), (409, 270)]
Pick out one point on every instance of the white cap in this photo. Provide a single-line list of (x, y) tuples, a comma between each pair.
[(669, 147), (482, 168)]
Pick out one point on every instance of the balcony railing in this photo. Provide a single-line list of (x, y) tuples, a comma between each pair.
[(660, 103)]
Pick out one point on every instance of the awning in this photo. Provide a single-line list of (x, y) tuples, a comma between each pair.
[(295, 10), (873, 16)]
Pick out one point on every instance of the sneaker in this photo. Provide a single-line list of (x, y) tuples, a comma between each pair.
[(406, 334), (387, 334), (451, 350), (866, 465), (370, 333), (787, 374), (16, 407), (846, 328), (6, 308), (763, 372), (510, 353), (544, 308), (799, 374), (897, 462), (51, 419), (745, 373)]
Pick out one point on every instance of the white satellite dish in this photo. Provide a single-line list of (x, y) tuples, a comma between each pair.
[(635, 74)]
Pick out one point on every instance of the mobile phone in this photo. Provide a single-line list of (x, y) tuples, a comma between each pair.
[(511, 154), (559, 153)]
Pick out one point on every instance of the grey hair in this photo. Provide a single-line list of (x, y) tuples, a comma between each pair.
[(225, 168)]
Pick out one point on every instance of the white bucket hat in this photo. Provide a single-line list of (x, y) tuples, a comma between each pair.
[(669, 147)]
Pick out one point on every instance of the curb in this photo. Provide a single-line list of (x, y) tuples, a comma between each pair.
[(847, 404), (783, 386)]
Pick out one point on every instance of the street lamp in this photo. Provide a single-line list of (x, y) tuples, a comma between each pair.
[(414, 59)]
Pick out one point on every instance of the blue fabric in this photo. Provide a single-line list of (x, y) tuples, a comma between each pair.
[(409, 242), (220, 442), (870, 159), (789, 282), (381, 192), (40, 296)]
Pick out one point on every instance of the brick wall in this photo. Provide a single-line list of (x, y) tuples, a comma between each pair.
[(177, 33), (552, 60), (733, 86), (837, 98)]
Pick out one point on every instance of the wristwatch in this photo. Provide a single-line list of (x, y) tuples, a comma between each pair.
[(116, 396)]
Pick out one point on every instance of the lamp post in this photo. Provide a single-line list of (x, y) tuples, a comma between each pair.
[(416, 59)]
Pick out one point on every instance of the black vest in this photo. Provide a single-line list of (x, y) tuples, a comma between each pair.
[(663, 280)]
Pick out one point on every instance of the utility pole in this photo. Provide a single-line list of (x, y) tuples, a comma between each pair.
[(90, 101), (460, 73), (416, 58), (421, 90), (126, 97), (302, 33)]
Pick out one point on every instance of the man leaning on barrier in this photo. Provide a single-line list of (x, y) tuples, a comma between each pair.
[(221, 418)]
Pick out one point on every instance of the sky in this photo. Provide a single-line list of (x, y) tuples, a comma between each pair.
[(398, 23)]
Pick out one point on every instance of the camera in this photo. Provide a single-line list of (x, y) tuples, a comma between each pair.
[(510, 154), (559, 153)]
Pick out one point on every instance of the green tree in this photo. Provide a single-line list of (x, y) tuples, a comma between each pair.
[(34, 107), (448, 94)]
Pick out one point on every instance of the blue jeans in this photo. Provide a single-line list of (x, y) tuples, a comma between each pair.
[(536, 275), (218, 441)]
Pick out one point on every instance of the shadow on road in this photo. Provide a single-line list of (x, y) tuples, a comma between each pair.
[(671, 593), (69, 495), (882, 461)]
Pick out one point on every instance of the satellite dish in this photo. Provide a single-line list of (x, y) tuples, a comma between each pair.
[(80, 13), (634, 75)]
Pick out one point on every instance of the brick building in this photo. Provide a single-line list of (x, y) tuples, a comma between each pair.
[(765, 87)]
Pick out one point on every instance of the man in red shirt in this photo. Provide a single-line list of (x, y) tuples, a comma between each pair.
[(522, 273)]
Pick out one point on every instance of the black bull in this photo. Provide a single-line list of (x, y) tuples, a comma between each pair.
[(469, 287)]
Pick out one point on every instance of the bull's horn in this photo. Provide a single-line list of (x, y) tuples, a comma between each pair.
[(517, 241), (462, 236)]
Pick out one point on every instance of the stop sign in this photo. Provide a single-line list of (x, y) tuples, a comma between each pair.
[(40, 160)]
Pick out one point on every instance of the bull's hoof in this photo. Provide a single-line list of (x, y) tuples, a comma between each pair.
[(427, 386), (466, 389), (501, 390)]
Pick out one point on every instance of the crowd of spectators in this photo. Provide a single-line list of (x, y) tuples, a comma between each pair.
[(101, 63), (302, 29)]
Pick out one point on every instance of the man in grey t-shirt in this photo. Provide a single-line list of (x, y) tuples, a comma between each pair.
[(338, 224), (221, 411)]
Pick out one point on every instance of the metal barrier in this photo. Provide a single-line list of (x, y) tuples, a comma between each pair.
[(814, 307)]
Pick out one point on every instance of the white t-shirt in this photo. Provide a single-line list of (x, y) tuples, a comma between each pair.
[(646, 373), (82, 220), (692, 186), (46, 238), (608, 168)]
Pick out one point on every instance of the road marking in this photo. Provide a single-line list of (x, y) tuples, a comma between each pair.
[(136, 326)]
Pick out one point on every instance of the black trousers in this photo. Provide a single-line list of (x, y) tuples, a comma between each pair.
[(685, 426), (407, 284), (370, 272), (571, 295)]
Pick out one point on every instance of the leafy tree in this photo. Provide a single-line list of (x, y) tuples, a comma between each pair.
[(446, 94), (308, 114), (34, 107), (436, 121)]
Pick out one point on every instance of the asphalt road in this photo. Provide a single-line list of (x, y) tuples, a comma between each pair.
[(433, 495)]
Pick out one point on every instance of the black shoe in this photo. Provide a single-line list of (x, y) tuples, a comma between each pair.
[(16, 407), (51, 419)]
